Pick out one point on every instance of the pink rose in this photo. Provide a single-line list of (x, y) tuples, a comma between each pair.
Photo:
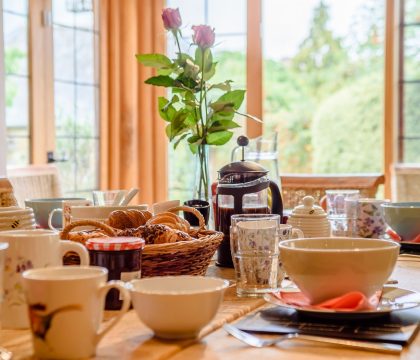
[(203, 36), (171, 19)]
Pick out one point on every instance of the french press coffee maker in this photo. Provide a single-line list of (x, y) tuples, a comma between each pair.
[(242, 189)]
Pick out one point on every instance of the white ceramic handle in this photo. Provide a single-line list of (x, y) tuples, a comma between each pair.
[(297, 233), (50, 216), (133, 192), (124, 295), (79, 249)]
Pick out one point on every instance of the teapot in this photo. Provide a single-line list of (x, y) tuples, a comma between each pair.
[(242, 188)]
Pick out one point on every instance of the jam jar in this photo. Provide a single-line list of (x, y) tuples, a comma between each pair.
[(122, 257)]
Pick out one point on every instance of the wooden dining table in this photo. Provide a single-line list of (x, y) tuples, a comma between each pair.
[(130, 339)]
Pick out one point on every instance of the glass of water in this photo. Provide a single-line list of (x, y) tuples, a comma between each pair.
[(254, 240)]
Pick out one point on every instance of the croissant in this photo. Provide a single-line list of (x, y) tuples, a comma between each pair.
[(156, 234), (171, 220), (126, 219)]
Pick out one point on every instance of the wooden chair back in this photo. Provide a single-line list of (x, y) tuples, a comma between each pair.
[(35, 181), (296, 186)]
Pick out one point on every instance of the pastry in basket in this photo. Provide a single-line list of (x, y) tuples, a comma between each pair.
[(170, 219), (156, 234), (126, 219)]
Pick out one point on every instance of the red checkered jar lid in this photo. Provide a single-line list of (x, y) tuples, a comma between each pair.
[(115, 243)]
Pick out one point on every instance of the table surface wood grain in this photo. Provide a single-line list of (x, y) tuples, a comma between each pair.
[(130, 339)]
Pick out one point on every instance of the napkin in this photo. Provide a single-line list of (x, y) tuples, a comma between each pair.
[(351, 301), (394, 236)]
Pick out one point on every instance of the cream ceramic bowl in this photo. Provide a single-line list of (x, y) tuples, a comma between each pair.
[(324, 268), (177, 307)]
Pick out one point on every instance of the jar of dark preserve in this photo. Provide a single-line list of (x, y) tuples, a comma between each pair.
[(122, 257)]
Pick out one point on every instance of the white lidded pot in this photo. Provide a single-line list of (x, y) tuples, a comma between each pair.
[(310, 218)]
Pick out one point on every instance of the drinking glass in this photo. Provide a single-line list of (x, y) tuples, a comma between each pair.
[(107, 197), (336, 201), (343, 226), (254, 240)]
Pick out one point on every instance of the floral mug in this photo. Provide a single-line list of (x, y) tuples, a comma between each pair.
[(29, 249), (370, 221)]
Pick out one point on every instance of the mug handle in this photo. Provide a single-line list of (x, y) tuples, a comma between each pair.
[(67, 246), (124, 294), (50, 216), (297, 233)]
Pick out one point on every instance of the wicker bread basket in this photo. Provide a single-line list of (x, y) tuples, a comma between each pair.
[(178, 258)]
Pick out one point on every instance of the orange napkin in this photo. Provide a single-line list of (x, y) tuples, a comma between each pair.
[(394, 236), (351, 301)]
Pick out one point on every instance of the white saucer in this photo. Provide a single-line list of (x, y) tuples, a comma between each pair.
[(393, 298)]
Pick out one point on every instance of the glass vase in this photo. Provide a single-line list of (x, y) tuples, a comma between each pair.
[(202, 185)]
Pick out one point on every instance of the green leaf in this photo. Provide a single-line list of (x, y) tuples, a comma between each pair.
[(223, 125), (179, 140), (219, 137), (223, 115), (154, 60), (194, 139), (160, 80), (208, 58), (165, 71), (225, 86), (193, 148), (186, 82), (208, 74), (166, 110), (235, 96), (222, 106), (182, 58)]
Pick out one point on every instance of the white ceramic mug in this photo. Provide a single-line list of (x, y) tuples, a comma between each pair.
[(66, 307), (66, 211), (30, 249)]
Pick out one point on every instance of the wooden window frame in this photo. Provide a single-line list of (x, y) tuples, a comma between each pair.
[(41, 99), (41, 81)]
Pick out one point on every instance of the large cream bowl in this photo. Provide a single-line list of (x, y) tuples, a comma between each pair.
[(177, 307), (324, 268)]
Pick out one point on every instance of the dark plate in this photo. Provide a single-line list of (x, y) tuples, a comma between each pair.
[(410, 248)]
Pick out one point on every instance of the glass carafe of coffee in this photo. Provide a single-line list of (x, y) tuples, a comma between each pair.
[(243, 188)]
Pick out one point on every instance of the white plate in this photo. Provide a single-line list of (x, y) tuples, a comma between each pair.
[(5, 214), (393, 298)]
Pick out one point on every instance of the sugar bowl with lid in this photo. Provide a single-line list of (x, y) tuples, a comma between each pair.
[(310, 218)]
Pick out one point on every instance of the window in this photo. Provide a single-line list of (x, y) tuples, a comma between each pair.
[(76, 88), (409, 82), (70, 86), (15, 30), (323, 84)]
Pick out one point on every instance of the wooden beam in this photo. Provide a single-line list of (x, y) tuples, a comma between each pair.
[(41, 81), (101, 17), (3, 136), (254, 68), (390, 92)]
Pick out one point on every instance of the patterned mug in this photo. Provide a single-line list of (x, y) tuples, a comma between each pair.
[(29, 249), (370, 221)]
